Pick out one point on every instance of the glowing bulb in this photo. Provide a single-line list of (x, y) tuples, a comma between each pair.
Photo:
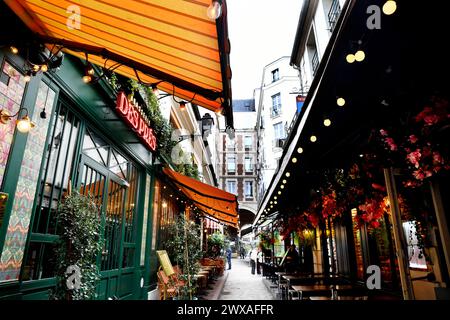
[(24, 125), (340, 102), (279, 192), (294, 160), (300, 150), (360, 55), (27, 78), (275, 202), (14, 50), (275, 197), (87, 79), (288, 174), (282, 186), (44, 68), (36, 68), (90, 71), (350, 58), (389, 7), (182, 105), (271, 202), (214, 10), (313, 138), (284, 181), (327, 122)]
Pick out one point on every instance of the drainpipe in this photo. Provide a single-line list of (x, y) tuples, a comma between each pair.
[(399, 236)]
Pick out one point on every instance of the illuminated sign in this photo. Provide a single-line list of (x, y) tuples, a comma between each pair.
[(136, 120)]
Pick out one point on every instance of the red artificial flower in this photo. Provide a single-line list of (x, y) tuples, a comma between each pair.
[(374, 224), (413, 139), (437, 158), (391, 144), (383, 133), (414, 157), (378, 187), (419, 174)]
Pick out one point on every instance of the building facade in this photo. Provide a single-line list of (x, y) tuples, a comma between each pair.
[(238, 157), (276, 105)]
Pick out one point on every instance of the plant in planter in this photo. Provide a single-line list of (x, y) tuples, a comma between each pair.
[(183, 248), (216, 242), (79, 245)]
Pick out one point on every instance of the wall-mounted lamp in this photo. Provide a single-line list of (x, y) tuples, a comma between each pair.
[(23, 124)]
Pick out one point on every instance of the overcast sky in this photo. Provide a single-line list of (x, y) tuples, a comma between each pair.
[(260, 31)]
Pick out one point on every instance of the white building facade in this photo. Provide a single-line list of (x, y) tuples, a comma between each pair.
[(276, 107)]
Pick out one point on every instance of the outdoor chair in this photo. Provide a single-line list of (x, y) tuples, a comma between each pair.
[(167, 289)]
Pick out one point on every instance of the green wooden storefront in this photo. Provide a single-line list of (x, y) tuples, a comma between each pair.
[(81, 140)]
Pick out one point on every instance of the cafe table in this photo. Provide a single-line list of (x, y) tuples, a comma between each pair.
[(319, 289)]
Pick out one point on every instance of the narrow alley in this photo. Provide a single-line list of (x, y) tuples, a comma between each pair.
[(242, 285)]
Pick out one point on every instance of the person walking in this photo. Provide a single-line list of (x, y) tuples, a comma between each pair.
[(228, 253), (253, 257), (259, 259)]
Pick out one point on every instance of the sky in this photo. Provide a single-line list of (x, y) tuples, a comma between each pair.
[(260, 31)]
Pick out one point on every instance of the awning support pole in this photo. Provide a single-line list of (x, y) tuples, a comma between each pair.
[(441, 221), (399, 237)]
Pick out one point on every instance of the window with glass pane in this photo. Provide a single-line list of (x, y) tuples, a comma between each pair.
[(95, 148), (279, 131), (276, 105), (231, 163), (231, 187), (249, 189), (248, 142), (248, 164), (275, 75)]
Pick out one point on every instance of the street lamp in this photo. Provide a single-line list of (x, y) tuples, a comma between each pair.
[(207, 123)]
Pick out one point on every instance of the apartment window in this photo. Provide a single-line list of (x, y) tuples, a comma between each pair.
[(231, 164), (315, 62), (248, 164), (279, 130), (276, 105), (275, 75), (230, 144), (231, 187), (248, 142), (333, 14), (249, 189)]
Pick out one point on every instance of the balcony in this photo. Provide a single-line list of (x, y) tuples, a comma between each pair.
[(333, 14)]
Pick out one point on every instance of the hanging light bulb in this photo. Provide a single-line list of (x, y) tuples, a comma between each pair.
[(90, 70), (36, 68), (44, 68), (276, 198), (87, 78), (300, 150), (279, 192), (294, 160), (350, 58), (288, 174), (24, 125), (340, 102), (282, 186), (313, 138), (14, 49), (284, 181), (183, 105), (389, 7), (360, 55), (27, 77), (214, 10), (327, 122)]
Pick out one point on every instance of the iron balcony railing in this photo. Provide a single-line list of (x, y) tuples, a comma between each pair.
[(333, 14), (315, 63)]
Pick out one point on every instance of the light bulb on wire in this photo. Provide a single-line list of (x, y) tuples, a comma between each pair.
[(350, 58), (389, 7), (214, 10), (360, 55), (340, 102)]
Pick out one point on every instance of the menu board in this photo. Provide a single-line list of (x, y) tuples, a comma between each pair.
[(165, 262)]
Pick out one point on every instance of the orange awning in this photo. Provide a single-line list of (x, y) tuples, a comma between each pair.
[(211, 201), (164, 40)]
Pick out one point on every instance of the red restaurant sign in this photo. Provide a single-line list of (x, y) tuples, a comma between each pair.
[(134, 119)]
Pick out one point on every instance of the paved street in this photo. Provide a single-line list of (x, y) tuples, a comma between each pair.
[(242, 285)]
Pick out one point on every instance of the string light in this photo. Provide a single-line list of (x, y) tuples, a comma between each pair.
[(279, 192), (389, 7), (294, 160), (87, 78), (313, 138), (282, 186), (44, 68), (27, 76), (14, 49), (300, 150), (275, 197), (288, 174), (183, 105), (340, 102), (360, 55), (284, 181), (327, 122), (350, 58)]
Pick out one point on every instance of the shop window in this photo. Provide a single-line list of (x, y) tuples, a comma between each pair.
[(95, 147)]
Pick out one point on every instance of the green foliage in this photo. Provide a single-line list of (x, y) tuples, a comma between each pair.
[(79, 245), (216, 243), (184, 250)]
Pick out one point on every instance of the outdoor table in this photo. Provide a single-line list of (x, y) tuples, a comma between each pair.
[(318, 289)]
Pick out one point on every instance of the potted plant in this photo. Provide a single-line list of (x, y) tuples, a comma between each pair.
[(79, 245)]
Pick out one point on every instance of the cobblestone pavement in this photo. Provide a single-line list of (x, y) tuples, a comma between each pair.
[(242, 285)]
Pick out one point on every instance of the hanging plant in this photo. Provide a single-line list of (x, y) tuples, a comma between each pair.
[(79, 246)]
